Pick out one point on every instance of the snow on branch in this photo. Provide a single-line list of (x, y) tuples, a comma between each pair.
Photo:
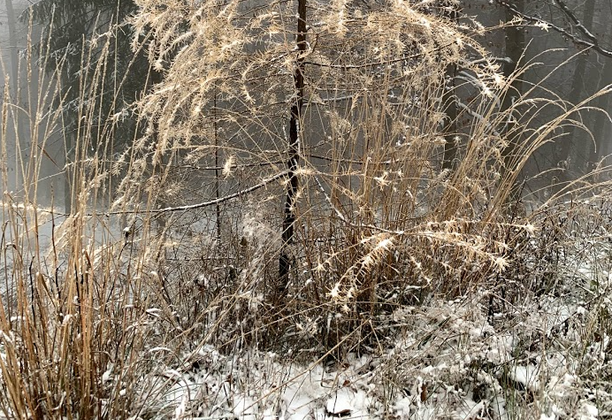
[(207, 203)]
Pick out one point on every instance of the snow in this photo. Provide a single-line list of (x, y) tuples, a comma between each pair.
[(347, 402), (473, 410), (526, 375), (546, 357), (588, 411), (447, 361)]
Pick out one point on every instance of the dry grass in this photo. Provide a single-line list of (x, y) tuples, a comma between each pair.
[(174, 245)]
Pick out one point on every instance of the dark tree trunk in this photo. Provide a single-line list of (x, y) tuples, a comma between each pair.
[(217, 171), (602, 141), (69, 141), (601, 146), (295, 132), (450, 103), (450, 127), (12, 27), (515, 47)]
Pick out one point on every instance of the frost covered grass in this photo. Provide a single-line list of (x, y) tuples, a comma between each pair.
[(490, 354), (444, 360), (418, 287)]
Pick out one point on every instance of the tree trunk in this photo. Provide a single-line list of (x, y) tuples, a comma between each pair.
[(16, 124), (450, 126), (515, 46), (295, 132), (601, 146), (567, 143), (217, 171), (12, 29), (450, 105), (602, 142)]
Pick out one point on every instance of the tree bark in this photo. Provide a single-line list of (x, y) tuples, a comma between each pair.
[(450, 128), (601, 146), (295, 132), (602, 141), (12, 27), (217, 172), (515, 47), (450, 107)]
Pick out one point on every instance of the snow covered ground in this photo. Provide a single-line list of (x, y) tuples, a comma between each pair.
[(545, 356), (446, 361)]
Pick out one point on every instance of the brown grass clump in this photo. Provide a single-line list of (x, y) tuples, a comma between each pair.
[(379, 221), (174, 244)]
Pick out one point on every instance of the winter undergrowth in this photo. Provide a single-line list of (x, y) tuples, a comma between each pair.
[(415, 283)]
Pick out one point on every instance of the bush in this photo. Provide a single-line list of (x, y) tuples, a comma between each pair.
[(169, 259)]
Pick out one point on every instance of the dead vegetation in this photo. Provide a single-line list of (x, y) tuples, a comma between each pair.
[(168, 262)]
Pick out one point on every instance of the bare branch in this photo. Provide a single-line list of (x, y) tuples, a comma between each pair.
[(577, 22), (222, 199), (592, 44), (206, 203)]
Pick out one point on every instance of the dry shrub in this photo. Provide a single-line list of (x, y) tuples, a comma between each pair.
[(380, 222), (78, 307), (175, 244)]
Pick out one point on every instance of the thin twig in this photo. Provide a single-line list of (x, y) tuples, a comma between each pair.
[(180, 208), (211, 202), (593, 44)]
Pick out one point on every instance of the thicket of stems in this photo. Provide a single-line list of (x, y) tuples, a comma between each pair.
[(175, 243)]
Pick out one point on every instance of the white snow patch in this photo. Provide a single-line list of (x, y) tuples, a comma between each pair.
[(526, 375), (341, 403), (588, 411)]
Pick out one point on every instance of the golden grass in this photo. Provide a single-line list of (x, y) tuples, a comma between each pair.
[(174, 244)]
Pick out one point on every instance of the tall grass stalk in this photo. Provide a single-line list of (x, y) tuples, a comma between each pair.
[(73, 316)]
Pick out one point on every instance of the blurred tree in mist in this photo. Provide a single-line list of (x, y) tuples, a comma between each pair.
[(579, 31), (576, 26), (78, 28), (79, 34)]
